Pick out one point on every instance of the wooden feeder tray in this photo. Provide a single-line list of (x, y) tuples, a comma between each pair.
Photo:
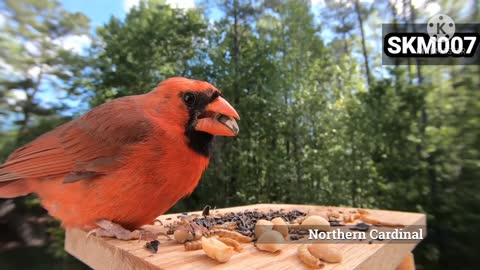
[(106, 253)]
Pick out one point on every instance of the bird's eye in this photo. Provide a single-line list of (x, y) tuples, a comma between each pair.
[(189, 98)]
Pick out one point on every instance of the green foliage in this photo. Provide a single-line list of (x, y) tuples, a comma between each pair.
[(154, 42), (312, 130), (35, 60)]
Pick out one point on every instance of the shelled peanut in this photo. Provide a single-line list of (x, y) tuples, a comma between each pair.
[(313, 255)]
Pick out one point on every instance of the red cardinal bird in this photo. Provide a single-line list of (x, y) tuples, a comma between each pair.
[(124, 162)]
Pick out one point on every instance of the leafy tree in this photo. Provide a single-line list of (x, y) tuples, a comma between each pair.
[(35, 60), (154, 42), (313, 131)]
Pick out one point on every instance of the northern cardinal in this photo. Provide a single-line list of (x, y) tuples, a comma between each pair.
[(124, 162)]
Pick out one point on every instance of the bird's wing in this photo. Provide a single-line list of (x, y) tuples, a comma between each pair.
[(90, 146)]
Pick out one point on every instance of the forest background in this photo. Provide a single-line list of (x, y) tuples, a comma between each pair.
[(323, 122)]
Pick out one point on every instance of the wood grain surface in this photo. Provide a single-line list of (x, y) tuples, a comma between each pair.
[(106, 253)]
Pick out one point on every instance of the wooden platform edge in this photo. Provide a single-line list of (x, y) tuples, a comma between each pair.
[(98, 254), (381, 260)]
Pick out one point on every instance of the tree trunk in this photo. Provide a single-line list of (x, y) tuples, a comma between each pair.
[(395, 29), (414, 29), (26, 108), (231, 185), (236, 51), (364, 45), (405, 4), (298, 163)]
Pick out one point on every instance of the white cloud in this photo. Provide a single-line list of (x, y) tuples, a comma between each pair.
[(2, 20), (323, 3), (432, 8), (181, 4), (15, 96), (424, 6), (74, 43), (34, 72), (317, 2), (31, 48), (19, 94), (128, 4)]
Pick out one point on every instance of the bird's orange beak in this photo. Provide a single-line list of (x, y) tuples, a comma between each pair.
[(219, 119)]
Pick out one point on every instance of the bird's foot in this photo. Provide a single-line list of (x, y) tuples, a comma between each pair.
[(110, 229), (157, 230)]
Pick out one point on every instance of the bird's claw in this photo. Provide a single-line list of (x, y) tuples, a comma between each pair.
[(110, 229)]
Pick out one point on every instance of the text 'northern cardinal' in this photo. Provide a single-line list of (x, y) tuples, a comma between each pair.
[(126, 161)]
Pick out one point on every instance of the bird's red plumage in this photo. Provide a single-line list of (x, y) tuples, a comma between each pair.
[(127, 161)]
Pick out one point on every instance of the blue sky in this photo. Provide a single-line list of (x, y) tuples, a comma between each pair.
[(98, 11)]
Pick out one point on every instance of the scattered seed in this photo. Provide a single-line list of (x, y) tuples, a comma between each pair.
[(153, 245), (360, 227), (245, 220), (206, 211), (365, 218), (336, 223), (303, 232), (225, 226), (294, 237)]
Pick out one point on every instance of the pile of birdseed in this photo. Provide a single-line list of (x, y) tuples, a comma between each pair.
[(247, 219)]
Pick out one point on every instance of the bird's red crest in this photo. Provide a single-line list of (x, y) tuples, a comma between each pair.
[(178, 84)]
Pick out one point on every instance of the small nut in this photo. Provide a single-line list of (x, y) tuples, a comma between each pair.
[(182, 235), (280, 226), (196, 231), (347, 218), (193, 245), (231, 242), (316, 222), (262, 226), (308, 259), (271, 241), (228, 234), (217, 250), (333, 214), (363, 211), (326, 252)]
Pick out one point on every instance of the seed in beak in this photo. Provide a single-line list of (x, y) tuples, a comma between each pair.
[(228, 122)]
